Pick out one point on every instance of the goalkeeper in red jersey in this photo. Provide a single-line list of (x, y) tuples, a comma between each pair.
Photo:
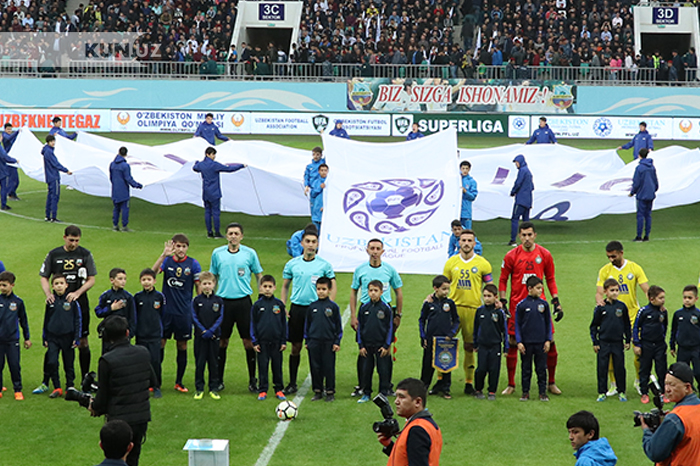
[(528, 259)]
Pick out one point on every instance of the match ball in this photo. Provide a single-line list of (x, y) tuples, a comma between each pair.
[(287, 410)]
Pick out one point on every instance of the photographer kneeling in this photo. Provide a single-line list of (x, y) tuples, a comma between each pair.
[(124, 376), (677, 439), (420, 441)]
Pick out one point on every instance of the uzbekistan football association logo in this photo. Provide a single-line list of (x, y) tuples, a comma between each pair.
[(392, 206), (602, 127)]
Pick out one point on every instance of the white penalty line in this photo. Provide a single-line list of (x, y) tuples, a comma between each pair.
[(282, 426)]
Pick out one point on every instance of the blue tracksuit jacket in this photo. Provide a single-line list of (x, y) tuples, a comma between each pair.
[(211, 183), (209, 131), (641, 140), (120, 176), (51, 165), (56, 130), (468, 197), (542, 136), (311, 172), (523, 186), (645, 183)]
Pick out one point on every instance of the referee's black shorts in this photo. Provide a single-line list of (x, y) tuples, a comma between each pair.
[(236, 311), (297, 320)]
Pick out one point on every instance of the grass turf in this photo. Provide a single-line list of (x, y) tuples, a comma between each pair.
[(506, 432)]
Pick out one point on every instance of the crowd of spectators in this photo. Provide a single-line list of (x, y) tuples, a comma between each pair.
[(517, 35), (187, 30)]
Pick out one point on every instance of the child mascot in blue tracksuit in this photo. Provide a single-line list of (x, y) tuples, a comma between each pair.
[(211, 189), (120, 176), (316, 196)]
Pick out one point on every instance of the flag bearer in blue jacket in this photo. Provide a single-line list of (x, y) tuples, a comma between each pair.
[(543, 134), (56, 129), (522, 192), (533, 333), (490, 341), (644, 187), (469, 193), (5, 177), (61, 334), (120, 176), (207, 314), (649, 338), (208, 130), (323, 331), (374, 333), (438, 318), (611, 334), (211, 189), (12, 316), (8, 139), (316, 196), (52, 167), (149, 323), (685, 331), (641, 140), (268, 330), (117, 301)]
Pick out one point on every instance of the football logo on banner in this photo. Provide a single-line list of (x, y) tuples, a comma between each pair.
[(391, 206)]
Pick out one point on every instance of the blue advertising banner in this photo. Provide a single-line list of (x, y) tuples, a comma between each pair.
[(180, 95), (638, 101), (271, 11), (664, 15)]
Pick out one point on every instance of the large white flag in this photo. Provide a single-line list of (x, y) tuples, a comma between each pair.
[(574, 184), (404, 193)]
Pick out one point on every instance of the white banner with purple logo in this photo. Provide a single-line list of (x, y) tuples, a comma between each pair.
[(404, 193), (573, 184)]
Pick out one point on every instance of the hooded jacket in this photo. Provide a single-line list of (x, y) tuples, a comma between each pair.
[(51, 165), (645, 183), (523, 186), (339, 132), (596, 453), (120, 176)]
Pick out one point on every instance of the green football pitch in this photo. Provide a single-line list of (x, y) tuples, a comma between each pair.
[(505, 432)]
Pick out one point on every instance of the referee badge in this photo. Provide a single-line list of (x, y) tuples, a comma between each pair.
[(694, 320), (630, 276), (156, 305), (275, 309), (540, 308), (13, 306), (187, 271), (380, 314), (215, 307), (618, 312), (329, 312), (446, 307), (66, 306), (241, 271), (538, 260), (475, 270)]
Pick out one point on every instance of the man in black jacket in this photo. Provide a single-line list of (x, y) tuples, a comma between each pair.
[(124, 376)]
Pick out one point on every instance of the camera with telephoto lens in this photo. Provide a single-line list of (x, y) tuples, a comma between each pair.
[(389, 426), (653, 418), (84, 395)]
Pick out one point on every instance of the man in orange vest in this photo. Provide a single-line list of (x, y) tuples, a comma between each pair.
[(420, 441), (677, 439)]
